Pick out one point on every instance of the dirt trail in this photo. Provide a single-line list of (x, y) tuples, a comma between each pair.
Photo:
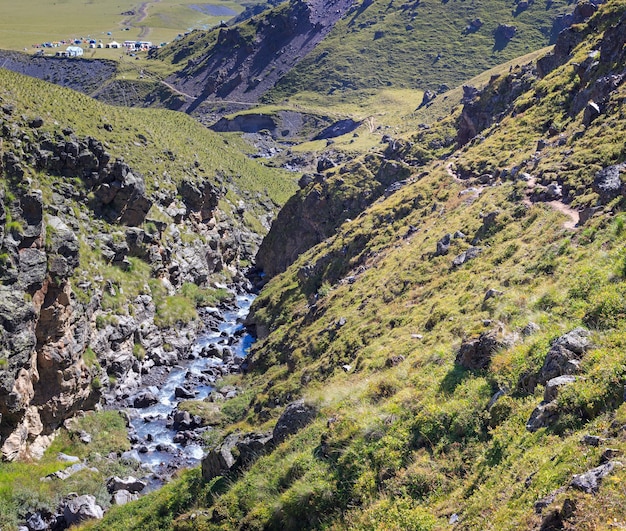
[(531, 184), (193, 98), (136, 19)]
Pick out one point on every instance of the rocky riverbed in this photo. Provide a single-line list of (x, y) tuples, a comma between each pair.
[(164, 437)]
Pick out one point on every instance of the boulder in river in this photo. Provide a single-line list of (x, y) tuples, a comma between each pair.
[(144, 399)]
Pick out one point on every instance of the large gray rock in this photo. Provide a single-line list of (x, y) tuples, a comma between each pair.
[(443, 245), (220, 461), (565, 354), (63, 248), (199, 197), (32, 269), (31, 205), (589, 482), (295, 417), (144, 399), (254, 445), (81, 509), (547, 413), (122, 497), (544, 415), (554, 386), (35, 522), (466, 256), (607, 183), (236, 451)]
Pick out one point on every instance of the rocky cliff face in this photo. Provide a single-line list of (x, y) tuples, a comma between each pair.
[(61, 343)]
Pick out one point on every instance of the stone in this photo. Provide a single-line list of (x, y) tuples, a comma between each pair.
[(554, 385), (296, 415), (505, 32), (492, 293), (530, 329), (443, 245), (553, 192), (589, 481), (592, 111), (32, 214), (129, 484), (220, 461), (394, 360), (122, 497), (607, 183), (35, 522), (610, 454), (475, 354), (544, 502), (67, 458), (81, 509), (33, 266), (470, 254), (253, 446), (543, 416), (67, 472), (183, 392), (429, 96), (63, 249), (592, 440), (565, 354), (324, 163), (144, 399)]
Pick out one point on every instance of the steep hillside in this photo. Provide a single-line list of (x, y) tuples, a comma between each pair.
[(114, 225), (460, 344), (239, 64), (424, 44)]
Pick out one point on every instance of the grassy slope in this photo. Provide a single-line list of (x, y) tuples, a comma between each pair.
[(372, 46), (163, 146), (407, 446)]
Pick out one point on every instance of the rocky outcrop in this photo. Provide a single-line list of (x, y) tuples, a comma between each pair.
[(589, 481), (315, 212), (482, 108), (239, 450), (236, 451), (295, 417), (51, 314), (81, 509), (565, 354), (559, 368)]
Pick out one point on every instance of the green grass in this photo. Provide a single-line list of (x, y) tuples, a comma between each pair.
[(21, 489), (31, 22)]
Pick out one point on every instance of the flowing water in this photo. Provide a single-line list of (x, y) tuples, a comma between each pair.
[(151, 423)]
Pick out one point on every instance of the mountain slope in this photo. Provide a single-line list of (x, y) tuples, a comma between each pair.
[(460, 342), (114, 225)]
